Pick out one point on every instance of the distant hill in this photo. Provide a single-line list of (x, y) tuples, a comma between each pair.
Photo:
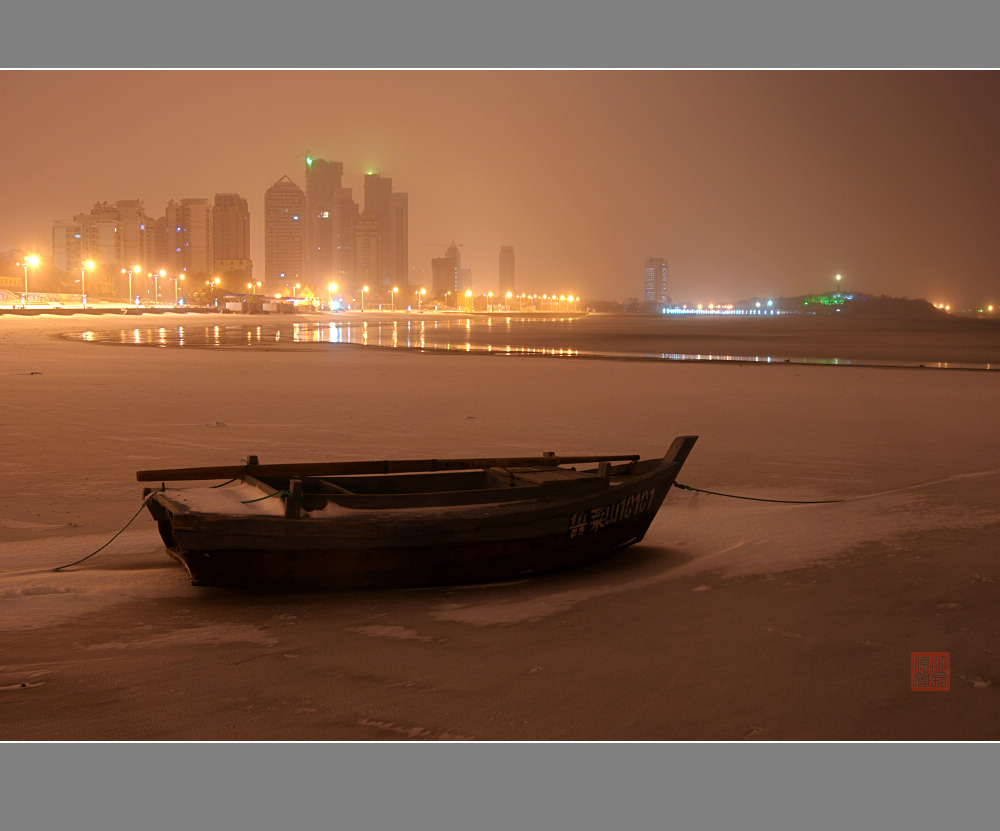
[(855, 305)]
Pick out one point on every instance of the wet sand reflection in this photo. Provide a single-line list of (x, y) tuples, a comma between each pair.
[(802, 341)]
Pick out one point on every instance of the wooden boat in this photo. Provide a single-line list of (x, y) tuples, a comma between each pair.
[(406, 523)]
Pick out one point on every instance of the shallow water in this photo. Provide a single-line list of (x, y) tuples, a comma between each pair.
[(798, 339)]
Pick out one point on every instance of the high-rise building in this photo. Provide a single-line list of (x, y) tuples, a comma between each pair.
[(98, 236), (445, 275), (132, 221), (189, 238), (231, 240), (156, 243), (67, 244), (284, 236), (323, 180), (506, 270), (345, 223), (656, 280), (378, 203), (368, 255), (231, 227), (90, 237), (399, 234)]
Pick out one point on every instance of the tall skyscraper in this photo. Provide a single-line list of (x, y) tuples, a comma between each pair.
[(231, 227), (378, 203), (284, 236), (367, 251), (132, 221), (345, 223), (656, 280), (231, 240), (156, 243), (399, 233), (189, 238), (506, 270), (323, 180)]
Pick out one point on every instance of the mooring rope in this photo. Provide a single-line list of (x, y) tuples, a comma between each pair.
[(126, 525), (758, 498), (282, 494)]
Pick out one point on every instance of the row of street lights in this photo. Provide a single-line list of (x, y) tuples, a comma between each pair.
[(89, 265), (392, 295), (564, 301), (155, 275)]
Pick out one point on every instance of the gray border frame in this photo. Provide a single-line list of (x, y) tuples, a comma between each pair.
[(516, 33)]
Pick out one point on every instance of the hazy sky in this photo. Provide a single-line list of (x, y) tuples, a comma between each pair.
[(750, 183)]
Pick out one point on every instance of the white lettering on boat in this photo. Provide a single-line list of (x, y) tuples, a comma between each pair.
[(594, 519)]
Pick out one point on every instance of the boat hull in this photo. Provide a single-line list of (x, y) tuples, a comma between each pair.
[(368, 549)]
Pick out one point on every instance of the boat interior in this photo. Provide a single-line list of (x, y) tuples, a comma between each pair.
[(444, 488)]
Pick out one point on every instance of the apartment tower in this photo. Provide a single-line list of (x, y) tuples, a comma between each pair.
[(656, 280), (323, 180), (284, 236)]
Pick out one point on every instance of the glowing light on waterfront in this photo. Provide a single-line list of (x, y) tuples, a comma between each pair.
[(87, 266), (32, 261)]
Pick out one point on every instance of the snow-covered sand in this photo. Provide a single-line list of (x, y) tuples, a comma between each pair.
[(734, 619)]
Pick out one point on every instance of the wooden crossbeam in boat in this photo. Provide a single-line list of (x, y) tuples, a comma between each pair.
[(365, 467)]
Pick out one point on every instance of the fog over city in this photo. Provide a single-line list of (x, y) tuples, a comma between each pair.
[(748, 183)]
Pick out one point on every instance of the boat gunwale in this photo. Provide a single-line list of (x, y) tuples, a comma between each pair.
[(583, 488)]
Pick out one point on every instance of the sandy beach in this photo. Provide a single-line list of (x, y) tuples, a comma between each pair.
[(734, 620)]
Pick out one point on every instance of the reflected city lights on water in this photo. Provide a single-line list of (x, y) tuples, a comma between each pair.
[(465, 334), (440, 335)]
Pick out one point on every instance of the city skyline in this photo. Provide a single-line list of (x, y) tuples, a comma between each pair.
[(750, 183)]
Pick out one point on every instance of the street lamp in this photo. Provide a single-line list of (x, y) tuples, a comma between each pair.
[(363, 290), (489, 301), (468, 298), (130, 271), (84, 268), (330, 289), (420, 298), (393, 298), (31, 260), (176, 298)]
